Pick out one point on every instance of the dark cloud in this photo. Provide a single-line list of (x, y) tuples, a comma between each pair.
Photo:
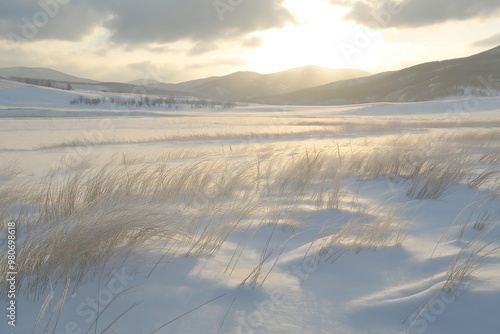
[(198, 20), (160, 49), (139, 22), (28, 20), (492, 40), (416, 13)]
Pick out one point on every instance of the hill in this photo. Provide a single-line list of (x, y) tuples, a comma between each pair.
[(249, 85), (477, 75), (41, 73)]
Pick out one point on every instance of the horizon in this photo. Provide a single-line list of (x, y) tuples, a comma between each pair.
[(244, 71), (220, 75), (108, 42)]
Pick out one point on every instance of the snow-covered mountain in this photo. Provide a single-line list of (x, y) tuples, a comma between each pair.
[(41, 73), (248, 85), (474, 76), (477, 75), (236, 86)]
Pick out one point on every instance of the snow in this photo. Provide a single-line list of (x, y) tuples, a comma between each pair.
[(378, 290), (40, 73)]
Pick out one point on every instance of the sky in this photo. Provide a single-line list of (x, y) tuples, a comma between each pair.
[(180, 40)]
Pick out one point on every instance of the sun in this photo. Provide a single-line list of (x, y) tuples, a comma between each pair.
[(312, 41)]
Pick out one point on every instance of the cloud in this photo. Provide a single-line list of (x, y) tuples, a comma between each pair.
[(140, 22), (197, 20), (204, 47), (252, 42), (28, 20), (219, 62), (159, 49), (154, 71), (416, 13), (492, 40), (201, 48), (142, 66)]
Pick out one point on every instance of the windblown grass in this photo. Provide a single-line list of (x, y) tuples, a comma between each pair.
[(77, 222)]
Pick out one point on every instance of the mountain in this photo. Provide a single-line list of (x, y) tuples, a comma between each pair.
[(187, 86), (143, 82), (151, 89), (249, 85), (311, 76), (41, 73), (477, 75), (239, 86)]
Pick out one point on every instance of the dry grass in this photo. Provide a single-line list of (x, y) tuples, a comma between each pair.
[(369, 228), (492, 157), (471, 258), (123, 204), (221, 136), (10, 169), (100, 213), (322, 128), (82, 220), (74, 224), (397, 125)]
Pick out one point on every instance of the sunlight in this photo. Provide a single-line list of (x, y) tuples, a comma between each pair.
[(293, 46)]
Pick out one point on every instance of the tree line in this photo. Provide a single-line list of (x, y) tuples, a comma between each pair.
[(146, 101), (43, 83)]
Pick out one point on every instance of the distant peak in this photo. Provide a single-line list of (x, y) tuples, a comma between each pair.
[(493, 51), (145, 81), (496, 49)]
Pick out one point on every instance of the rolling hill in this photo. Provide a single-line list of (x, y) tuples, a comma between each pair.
[(237, 86), (477, 75), (248, 85), (41, 73), (474, 76)]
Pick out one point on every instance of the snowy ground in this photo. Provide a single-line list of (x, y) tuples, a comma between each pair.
[(378, 218)]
